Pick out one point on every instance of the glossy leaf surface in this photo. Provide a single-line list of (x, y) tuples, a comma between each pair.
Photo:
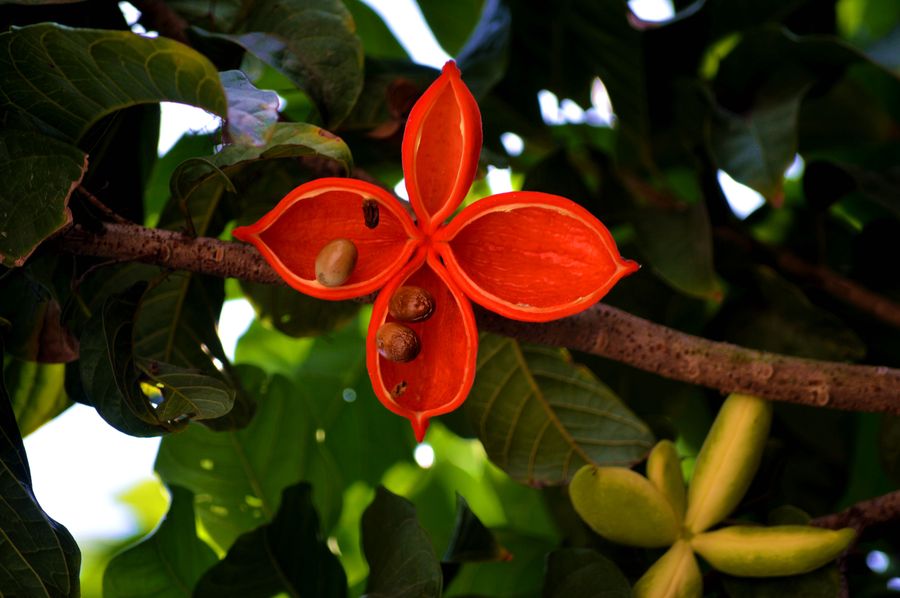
[(83, 71), (39, 174), (540, 417), (252, 112)]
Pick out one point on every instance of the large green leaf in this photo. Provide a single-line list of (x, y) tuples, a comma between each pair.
[(38, 556), (540, 417), (38, 174), (313, 42), (582, 573), (286, 555), (115, 382), (37, 394), (451, 22), (165, 564), (77, 76), (377, 40), (402, 563), (238, 476), (330, 374), (756, 148), (483, 58), (674, 234), (472, 542)]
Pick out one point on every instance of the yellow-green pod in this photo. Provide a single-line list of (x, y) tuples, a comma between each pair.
[(664, 471), (771, 551), (623, 506), (674, 575), (727, 461)]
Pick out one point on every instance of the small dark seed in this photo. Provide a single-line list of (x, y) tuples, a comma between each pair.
[(399, 389), (370, 212)]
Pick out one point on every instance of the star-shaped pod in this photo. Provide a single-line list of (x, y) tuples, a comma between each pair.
[(525, 255)]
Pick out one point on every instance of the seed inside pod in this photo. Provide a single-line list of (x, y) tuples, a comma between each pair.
[(335, 262), (370, 212), (397, 342), (411, 304)]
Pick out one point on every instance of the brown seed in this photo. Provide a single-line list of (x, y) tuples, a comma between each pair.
[(399, 389), (335, 262), (370, 212), (397, 342), (411, 304)]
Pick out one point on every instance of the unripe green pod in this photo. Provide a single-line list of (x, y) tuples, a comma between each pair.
[(771, 551), (623, 506), (727, 461), (664, 471), (674, 575), (335, 262)]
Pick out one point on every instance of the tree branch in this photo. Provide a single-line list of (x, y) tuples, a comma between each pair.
[(875, 511), (601, 330)]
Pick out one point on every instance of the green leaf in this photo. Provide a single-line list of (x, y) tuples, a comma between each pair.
[(314, 43), (756, 148), (330, 374), (377, 39), (540, 417), (582, 573), (251, 112), (37, 392), (165, 564), (472, 542), (238, 476), (107, 370), (673, 232), (286, 555), (77, 76), (186, 393), (38, 556), (451, 22), (39, 175), (290, 140), (483, 59), (402, 563), (296, 314)]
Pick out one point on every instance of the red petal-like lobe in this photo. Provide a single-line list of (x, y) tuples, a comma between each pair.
[(291, 235), (439, 379), (441, 145), (531, 256)]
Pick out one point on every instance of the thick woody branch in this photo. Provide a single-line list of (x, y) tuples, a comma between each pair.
[(876, 511), (601, 330)]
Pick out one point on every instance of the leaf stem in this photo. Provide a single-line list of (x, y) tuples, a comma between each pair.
[(601, 330)]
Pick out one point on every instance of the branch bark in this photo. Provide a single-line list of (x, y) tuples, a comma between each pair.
[(602, 330), (867, 513)]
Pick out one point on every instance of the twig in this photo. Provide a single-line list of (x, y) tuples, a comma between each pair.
[(843, 289), (95, 202), (867, 513), (601, 330)]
